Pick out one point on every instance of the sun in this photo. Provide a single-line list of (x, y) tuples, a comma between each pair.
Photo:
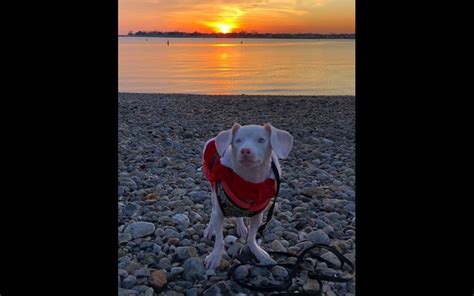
[(223, 28)]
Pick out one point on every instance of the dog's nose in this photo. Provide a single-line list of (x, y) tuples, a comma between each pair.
[(246, 151)]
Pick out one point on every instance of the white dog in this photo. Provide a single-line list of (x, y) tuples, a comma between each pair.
[(238, 164)]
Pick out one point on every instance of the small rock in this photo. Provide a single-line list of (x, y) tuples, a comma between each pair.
[(328, 208), (121, 190), (132, 208), (194, 269), (270, 237), (141, 288), (330, 292), (241, 272), (148, 258), (140, 229), (185, 242), (328, 229), (198, 196), (129, 282), (164, 263), (230, 239), (128, 182), (181, 219), (232, 250), (224, 264), (311, 286), (210, 272), (173, 241), (260, 281), (195, 217), (177, 270), (149, 292), (152, 196), (304, 245), (127, 292), (279, 271), (184, 284), (124, 237), (158, 279), (350, 207), (122, 273), (173, 293), (165, 161), (332, 215), (178, 192), (321, 223), (170, 232), (314, 192), (186, 252), (202, 248), (156, 249), (318, 237), (310, 170), (142, 272), (341, 246), (159, 232), (192, 292), (329, 256), (290, 235), (327, 141), (221, 288), (129, 266), (277, 246)]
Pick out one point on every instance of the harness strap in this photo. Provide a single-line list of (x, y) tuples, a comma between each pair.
[(270, 212)]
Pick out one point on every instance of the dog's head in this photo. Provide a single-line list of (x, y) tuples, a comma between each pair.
[(252, 145)]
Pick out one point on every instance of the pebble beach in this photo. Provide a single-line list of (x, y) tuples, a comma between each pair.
[(164, 200)]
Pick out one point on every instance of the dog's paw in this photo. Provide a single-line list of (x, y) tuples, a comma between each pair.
[(213, 260), (242, 230), (261, 255), (209, 231)]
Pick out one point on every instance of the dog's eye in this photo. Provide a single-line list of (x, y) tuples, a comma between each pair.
[(238, 140), (261, 140)]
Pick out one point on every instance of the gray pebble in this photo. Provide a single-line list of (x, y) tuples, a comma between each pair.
[(318, 237), (129, 282), (140, 229), (186, 252), (279, 272), (194, 269)]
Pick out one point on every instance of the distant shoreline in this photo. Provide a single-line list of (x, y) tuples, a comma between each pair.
[(235, 96), (350, 36)]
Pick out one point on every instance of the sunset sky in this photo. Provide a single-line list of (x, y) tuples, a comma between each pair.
[(262, 16)]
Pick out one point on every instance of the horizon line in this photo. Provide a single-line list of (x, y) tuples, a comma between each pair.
[(240, 32)]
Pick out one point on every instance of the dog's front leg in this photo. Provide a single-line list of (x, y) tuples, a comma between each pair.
[(241, 228), (213, 260), (260, 253)]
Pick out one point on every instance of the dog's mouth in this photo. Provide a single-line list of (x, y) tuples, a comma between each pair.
[(247, 162)]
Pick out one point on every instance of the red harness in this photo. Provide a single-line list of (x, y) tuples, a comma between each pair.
[(253, 197)]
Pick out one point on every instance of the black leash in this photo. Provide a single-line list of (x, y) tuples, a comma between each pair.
[(294, 269)]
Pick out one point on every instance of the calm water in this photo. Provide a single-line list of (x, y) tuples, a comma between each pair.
[(224, 66)]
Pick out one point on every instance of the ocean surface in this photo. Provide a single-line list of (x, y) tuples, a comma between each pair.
[(237, 66)]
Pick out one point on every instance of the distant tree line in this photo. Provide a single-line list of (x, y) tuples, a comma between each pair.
[(243, 34)]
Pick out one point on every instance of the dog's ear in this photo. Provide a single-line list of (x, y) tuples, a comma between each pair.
[(280, 140), (224, 138)]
